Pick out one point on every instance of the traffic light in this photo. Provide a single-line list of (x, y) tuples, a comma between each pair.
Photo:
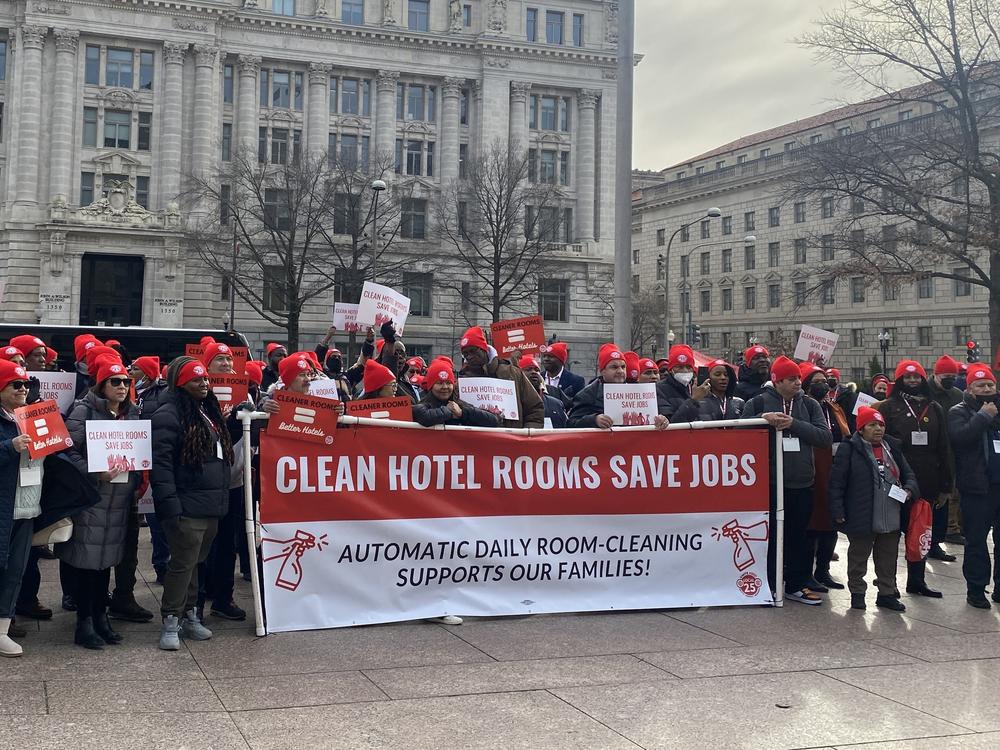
[(695, 333), (973, 353)]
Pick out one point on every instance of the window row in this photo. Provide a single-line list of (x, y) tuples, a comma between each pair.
[(89, 185), (115, 128), (550, 113), (119, 68), (555, 31), (548, 167)]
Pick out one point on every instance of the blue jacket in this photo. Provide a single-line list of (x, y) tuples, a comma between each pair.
[(10, 464), (555, 411), (571, 384)]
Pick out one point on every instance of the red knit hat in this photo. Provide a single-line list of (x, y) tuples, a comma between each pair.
[(10, 372), (681, 355), (807, 369), (51, 355), (9, 352), (438, 371), (416, 362), (96, 351), (647, 364), (880, 378), (607, 354), (27, 343), (910, 367), (980, 372), (754, 351), (150, 366), (631, 366), (290, 368), (214, 350), (109, 367), (474, 337), (272, 346), (376, 376), (834, 373), (206, 340), (559, 350), (663, 363), (527, 361), (867, 414), (255, 373), (189, 371), (333, 353), (944, 366), (83, 343), (783, 368), (112, 342)]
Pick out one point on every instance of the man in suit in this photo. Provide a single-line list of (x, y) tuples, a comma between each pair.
[(554, 372), (552, 397)]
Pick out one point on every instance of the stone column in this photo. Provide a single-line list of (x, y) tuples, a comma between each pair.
[(171, 124), (519, 115), (203, 144), (585, 154), (451, 95), (318, 122), (64, 113), (30, 120), (385, 113), (247, 120)]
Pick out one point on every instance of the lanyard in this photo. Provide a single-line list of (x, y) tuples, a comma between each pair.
[(914, 414), (725, 403), (786, 407), (211, 424)]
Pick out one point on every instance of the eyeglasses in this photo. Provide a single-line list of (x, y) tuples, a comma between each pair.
[(116, 382), (19, 385)]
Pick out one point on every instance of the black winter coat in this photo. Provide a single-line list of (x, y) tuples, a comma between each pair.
[(670, 396), (10, 465), (433, 411), (969, 430), (178, 489), (710, 408), (750, 383), (933, 462), (808, 425), (588, 405), (555, 410), (852, 483)]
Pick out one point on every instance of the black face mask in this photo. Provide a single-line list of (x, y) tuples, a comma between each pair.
[(334, 364), (987, 399), (819, 390), (947, 383), (910, 390), (832, 384)]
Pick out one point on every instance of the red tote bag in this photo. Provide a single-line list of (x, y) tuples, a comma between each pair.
[(918, 531)]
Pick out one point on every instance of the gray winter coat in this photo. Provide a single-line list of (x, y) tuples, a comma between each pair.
[(98, 540)]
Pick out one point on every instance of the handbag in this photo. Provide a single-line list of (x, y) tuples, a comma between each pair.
[(55, 533), (918, 531)]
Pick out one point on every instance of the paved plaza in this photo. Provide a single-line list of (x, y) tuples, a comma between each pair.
[(797, 677)]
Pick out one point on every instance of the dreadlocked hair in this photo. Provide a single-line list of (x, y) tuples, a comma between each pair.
[(197, 441)]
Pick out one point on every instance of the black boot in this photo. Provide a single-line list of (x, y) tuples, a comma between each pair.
[(858, 601), (102, 626), (915, 583), (888, 602), (86, 636)]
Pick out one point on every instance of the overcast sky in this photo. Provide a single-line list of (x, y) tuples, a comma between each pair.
[(717, 70)]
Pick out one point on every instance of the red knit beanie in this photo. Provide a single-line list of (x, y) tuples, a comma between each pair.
[(51, 355), (944, 366), (527, 361), (807, 369), (255, 373), (10, 372), (834, 373), (559, 350), (83, 343), (109, 367), (274, 346), (97, 351), (867, 414), (980, 372), (631, 366), (438, 371), (754, 351), (607, 354), (910, 367), (376, 376), (214, 350), (647, 364), (189, 371), (27, 343), (290, 367), (474, 337), (150, 366), (681, 355), (9, 352), (783, 368)]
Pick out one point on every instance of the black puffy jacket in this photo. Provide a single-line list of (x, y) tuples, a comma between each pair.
[(712, 408), (588, 405), (670, 396), (433, 411), (969, 431), (178, 489)]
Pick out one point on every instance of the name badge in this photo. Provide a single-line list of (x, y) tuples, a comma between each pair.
[(121, 478), (996, 446), (918, 437), (30, 474), (218, 449), (790, 444), (547, 423), (897, 493)]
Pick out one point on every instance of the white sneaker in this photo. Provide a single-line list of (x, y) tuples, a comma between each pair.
[(192, 628), (170, 634), (9, 648), (805, 596), (448, 620)]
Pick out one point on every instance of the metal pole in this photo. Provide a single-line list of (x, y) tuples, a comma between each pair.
[(375, 234), (232, 282), (779, 518), (623, 173), (250, 521)]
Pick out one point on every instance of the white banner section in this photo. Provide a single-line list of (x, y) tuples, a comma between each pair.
[(342, 573)]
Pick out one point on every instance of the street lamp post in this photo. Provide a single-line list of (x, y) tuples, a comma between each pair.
[(377, 187), (884, 342), (712, 213), (686, 318)]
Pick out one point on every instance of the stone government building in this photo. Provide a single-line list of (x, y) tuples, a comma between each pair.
[(106, 106), (737, 290)]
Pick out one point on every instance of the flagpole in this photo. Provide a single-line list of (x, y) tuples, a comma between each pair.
[(232, 283), (623, 175)]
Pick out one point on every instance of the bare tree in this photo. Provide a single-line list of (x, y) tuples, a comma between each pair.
[(299, 229), (501, 227), (648, 316), (931, 182)]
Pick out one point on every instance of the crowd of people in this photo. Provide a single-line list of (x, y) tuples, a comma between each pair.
[(857, 470)]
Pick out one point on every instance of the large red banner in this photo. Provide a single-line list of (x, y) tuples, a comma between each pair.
[(390, 473)]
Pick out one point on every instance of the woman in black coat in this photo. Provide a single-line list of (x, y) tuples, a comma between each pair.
[(441, 405), (869, 482)]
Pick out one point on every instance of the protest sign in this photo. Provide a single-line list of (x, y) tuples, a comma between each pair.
[(399, 409), (630, 403), (863, 400), (44, 426), (815, 345), (57, 386), (324, 388), (303, 417), (231, 390), (345, 317), (123, 444), (146, 499), (491, 394), (525, 334), (379, 304), (240, 356), (491, 523)]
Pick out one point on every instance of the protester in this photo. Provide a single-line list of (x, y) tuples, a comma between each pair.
[(553, 360), (880, 386), (81, 345), (441, 405), (675, 388), (479, 364), (712, 399), (663, 365), (275, 353), (844, 395), (100, 532), (20, 499), (865, 469), (754, 372), (916, 421), (12, 354), (648, 371), (192, 456), (555, 411), (974, 430), (34, 351), (588, 406), (783, 405), (943, 390), (631, 367), (379, 381)]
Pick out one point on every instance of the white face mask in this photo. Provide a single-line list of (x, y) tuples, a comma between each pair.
[(684, 378)]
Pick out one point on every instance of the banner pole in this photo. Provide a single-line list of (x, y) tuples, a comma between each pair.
[(779, 521), (249, 522)]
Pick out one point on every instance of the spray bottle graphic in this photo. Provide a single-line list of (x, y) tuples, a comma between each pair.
[(291, 551), (743, 556)]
